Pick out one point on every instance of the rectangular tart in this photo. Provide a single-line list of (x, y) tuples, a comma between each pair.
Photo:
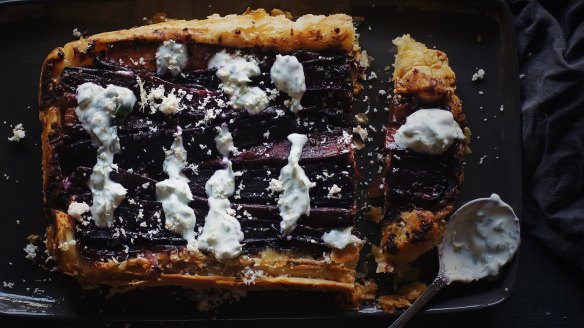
[(136, 248)]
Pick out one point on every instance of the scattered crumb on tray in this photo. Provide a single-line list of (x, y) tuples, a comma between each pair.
[(403, 298), (18, 133), (479, 75)]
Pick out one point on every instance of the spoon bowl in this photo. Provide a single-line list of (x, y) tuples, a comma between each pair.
[(480, 238)]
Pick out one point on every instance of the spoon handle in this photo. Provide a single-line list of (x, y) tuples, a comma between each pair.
[(434, 287)]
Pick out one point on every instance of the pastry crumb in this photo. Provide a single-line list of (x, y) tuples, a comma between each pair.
[(403, 298)]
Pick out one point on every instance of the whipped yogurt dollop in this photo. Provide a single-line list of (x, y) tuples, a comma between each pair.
[(340, 238), (430, 131), (96, 108), (295, 185), (175, 194), (287, 74), (222, 233), (236, 72), (171, 57), (481, 237)]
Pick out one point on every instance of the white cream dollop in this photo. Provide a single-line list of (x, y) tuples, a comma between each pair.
[(288, 75), (224, 141), (340, 238), (175, 194), (235, 73), (171, 57), (479, 239), (222, 233), (295, 198), (429, 131), (96, 108)]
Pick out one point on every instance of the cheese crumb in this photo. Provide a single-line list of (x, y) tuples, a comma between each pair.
[(334, 192), (8, 285), (156, 99), (170, 104), (31, 251), (275, 186), (77, 209), (64, 246), (18, 133), (249, 276), (479, 75)]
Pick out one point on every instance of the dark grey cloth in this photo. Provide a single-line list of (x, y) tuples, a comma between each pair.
[(550, 38)]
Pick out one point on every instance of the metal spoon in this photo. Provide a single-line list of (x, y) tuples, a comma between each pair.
[(480, 238)]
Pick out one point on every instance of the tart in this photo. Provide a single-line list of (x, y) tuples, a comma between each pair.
[(423, 172), (173, 154)]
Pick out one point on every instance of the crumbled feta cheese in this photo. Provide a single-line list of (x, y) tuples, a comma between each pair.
[(479, 75), (170, 104), (249, 276), (347, 137), (334, 192), (64, 246), (77, 209), (275, 186), (18, 133), (31, 251)]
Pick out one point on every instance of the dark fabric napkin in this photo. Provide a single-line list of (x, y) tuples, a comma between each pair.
[(550, 38)]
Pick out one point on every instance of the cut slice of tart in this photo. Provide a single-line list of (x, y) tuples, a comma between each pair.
[(210, 153), (425, 143)]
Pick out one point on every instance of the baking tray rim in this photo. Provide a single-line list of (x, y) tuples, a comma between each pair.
[(510, 274)]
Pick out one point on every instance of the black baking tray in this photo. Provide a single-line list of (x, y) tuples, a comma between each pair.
[(474, 34)]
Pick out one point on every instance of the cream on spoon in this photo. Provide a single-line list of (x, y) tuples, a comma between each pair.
[(480, 238)]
